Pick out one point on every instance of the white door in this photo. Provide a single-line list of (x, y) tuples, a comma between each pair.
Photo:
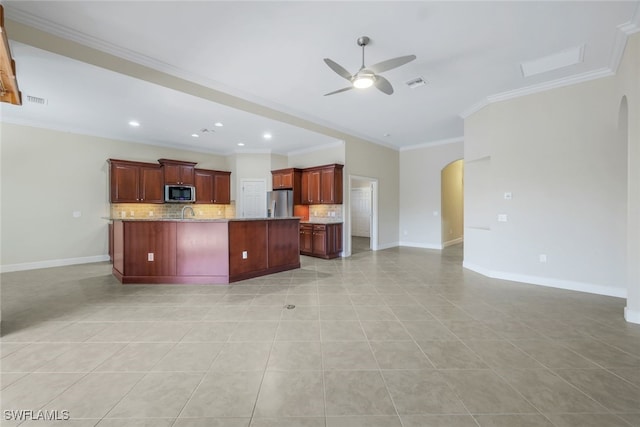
[(361, 212), (254, 198)]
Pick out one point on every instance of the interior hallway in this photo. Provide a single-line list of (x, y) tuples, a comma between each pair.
[(400, 337)]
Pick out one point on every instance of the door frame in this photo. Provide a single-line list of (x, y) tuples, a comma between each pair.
[(374, 214)]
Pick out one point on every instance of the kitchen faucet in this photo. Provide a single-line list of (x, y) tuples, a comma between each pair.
[(185, 208)]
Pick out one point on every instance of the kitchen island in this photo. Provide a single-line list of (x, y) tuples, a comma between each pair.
[(175, 251)]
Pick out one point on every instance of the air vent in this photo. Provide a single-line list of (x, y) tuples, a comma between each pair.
[(36, 100), (414, 83)]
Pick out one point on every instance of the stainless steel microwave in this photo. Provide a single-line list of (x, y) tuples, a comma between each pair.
[(179, 193)]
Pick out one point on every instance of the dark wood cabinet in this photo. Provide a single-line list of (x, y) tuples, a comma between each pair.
[(283, 249), (306, 239), (178, 172), (288, 179), (321, 240), (212, 186), (322, 185), (222, 188), (135, 182), (150, 248)]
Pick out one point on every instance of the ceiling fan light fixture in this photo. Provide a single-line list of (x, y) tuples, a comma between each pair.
[(363, 81)]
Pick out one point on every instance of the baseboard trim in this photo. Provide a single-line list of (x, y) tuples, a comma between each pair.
[(631, 316), (452, 242), (550, 282), (386, 246), (52, 263), (422, 245)]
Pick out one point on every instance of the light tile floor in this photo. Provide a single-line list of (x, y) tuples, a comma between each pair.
[(400, 337)]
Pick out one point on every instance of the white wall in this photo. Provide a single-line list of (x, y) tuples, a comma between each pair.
[(557, 152), (46, 175), (420, 193), (333, 153)]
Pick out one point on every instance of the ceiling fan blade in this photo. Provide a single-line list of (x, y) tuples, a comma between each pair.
[(339, 90), (390, 64), (384, 85), (339, 69)]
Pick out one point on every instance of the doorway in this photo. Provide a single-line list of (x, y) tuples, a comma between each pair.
[(363, 214), (452, 203)]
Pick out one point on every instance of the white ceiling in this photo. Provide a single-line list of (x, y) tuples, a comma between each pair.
[(271, 53)]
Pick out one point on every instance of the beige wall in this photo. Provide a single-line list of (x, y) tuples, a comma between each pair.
[(47, 175), (420, 193), (334, 153), (368, 160), (452, 179), (559, 154)]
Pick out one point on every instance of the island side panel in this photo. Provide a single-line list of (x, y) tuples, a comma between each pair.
[(202, 249), (284, 244), (118, 249), (250, 237), (149, 248)]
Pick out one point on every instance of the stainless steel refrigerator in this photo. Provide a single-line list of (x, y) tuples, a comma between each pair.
[(280, 203)]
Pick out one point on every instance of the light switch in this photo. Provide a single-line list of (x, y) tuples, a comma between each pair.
[(502, 218)]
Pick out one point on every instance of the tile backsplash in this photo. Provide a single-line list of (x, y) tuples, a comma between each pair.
[(171, 210), (325, 212)]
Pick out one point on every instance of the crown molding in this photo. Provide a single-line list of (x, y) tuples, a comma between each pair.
[(433, 143), (620, 42)]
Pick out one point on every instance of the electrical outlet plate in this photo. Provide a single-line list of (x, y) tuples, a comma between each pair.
[(502, 217), (150, 256), (245, 255)]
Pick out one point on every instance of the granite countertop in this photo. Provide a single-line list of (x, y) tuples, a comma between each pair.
[(321, 221), (188, 219)]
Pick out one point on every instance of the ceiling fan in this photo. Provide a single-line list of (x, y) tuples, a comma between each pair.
[(366, 77)]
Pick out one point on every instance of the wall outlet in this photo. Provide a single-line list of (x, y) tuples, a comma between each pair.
[(507, 196), (244, 255), (435, 213), (333, 214), (123, 214), (150, 213), (542, 258), (502, 218), (405, 232), (132, 213), (76, 214), (150, 256)]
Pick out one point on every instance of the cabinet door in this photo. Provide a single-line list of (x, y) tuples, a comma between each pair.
[(151, 185), (124, 183), (276, 181), (204, 186), (222, 188), (306, 239), (178, 174), (331, 186), (319, 240)]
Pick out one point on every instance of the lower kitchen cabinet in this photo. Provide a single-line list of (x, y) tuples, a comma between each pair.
[(321, 240)]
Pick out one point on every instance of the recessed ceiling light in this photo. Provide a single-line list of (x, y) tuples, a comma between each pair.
[(240, 144), (195, 135), (218, 124), (134, 123), (387, 134), (266, 135)]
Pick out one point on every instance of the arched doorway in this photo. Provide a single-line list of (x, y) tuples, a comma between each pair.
[(452, 203)]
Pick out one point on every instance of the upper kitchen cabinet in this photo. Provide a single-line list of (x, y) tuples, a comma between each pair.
[(288, 179), (135, 182), (322, 185), (212, 186), (178, 172)]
